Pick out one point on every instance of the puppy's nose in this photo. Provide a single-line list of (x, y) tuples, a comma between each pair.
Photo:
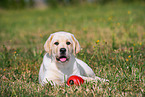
[(62, 50)]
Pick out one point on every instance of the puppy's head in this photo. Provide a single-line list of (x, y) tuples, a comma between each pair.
[(61, 45)]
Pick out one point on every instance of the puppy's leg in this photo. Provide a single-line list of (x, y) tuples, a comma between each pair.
[(94, 79), (53, 78), (45, 81), (53, 82), (87, 78)]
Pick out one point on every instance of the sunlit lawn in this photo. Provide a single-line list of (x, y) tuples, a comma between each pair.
[(112, 38)]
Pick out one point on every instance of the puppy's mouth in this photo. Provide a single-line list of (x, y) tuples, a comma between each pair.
[(62, 59)]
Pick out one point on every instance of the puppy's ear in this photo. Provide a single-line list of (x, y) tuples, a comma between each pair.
[(76, 45), (47, 45)]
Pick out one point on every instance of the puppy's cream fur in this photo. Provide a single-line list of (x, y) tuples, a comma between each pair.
[(57, 72)]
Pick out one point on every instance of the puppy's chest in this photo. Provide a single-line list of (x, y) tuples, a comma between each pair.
[(71, 70), (66, 71)]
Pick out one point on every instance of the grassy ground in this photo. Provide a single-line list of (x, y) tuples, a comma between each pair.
[(112, 37)]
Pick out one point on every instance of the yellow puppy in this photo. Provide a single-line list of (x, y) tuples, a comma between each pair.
[(59, 63)]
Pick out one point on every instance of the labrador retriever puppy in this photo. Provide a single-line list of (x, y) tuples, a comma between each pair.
[(59, 63)]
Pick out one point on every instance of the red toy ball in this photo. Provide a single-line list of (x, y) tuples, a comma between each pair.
[(74, 80)]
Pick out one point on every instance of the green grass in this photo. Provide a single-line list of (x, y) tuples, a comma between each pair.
[(112, 37)]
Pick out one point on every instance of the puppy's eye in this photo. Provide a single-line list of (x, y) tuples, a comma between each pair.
[(68, 43), (56, 43)]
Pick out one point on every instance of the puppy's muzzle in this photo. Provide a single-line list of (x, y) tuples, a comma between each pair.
[(62, 58)]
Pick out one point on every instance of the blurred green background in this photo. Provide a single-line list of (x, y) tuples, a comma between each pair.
[(17, 4), (26, 23)]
